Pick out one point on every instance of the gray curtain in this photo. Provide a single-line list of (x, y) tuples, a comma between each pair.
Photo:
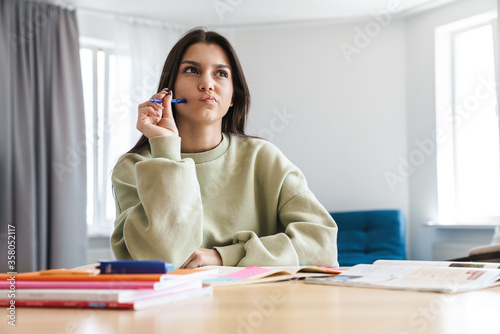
[(42, 138)]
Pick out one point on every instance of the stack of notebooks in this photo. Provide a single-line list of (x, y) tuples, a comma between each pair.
[(96, 288)]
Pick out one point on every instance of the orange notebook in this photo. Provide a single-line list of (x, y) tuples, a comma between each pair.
[(93, 275)]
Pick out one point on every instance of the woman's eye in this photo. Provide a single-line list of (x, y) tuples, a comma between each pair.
[(222, 74), (190, 70)]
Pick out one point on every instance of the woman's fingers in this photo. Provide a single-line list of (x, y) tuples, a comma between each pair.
[(161, 96), (203, 257), (156, 118), (154, 109), (185, 264), (157, 108), (167, 105), (149, 109)]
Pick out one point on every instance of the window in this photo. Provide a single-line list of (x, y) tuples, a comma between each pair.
[(109, 123), (468, 151)]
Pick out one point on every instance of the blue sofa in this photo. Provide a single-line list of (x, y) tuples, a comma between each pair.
[(366, 236)]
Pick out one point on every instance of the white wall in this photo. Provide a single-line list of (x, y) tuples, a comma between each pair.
[(421, 123), (346, 123)]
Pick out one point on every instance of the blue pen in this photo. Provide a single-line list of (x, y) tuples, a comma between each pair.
[(173, 100)]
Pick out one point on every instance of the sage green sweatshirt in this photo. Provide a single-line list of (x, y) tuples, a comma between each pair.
[(244, 198)]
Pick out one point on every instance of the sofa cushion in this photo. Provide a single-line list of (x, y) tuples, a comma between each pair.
[(366, 236)]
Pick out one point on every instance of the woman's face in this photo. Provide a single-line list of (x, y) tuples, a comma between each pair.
[(205, 81)]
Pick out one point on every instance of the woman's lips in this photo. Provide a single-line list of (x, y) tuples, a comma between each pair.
[(208, 99)]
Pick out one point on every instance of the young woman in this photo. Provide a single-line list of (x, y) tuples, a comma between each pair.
[(195, 190)]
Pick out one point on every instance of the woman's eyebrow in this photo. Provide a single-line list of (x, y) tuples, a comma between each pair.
[(195, 63), (222, 66)]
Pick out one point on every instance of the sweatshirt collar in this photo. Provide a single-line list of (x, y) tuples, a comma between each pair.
[(211, 154)]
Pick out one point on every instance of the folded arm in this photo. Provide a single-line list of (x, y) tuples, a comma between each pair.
[(310, 236)]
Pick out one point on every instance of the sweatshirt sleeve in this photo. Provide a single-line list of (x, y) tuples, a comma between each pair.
[(309, 238), (158, 203)]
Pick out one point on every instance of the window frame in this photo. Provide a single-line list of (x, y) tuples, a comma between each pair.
[(445, 101), (97, 224)]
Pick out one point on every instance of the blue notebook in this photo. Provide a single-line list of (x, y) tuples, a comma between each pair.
[(135, 267)]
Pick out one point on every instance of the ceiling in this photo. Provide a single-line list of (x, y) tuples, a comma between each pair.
[(230, 13)]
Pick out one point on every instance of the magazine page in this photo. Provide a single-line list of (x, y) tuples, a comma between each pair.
[(484, 265), (436, 279)]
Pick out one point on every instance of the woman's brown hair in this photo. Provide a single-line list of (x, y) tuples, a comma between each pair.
[(234, 120)]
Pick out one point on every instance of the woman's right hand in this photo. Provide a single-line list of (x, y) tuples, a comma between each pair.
[(156, 119)]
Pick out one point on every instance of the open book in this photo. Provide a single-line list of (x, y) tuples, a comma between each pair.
[(449, 277), (229, 276)]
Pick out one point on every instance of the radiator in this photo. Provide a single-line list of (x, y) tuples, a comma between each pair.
[(442, 251)]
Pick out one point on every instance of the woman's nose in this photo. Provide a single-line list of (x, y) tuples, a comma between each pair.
[(206, 82)]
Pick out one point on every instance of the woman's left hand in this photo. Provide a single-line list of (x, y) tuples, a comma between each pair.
[(203, 257)]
